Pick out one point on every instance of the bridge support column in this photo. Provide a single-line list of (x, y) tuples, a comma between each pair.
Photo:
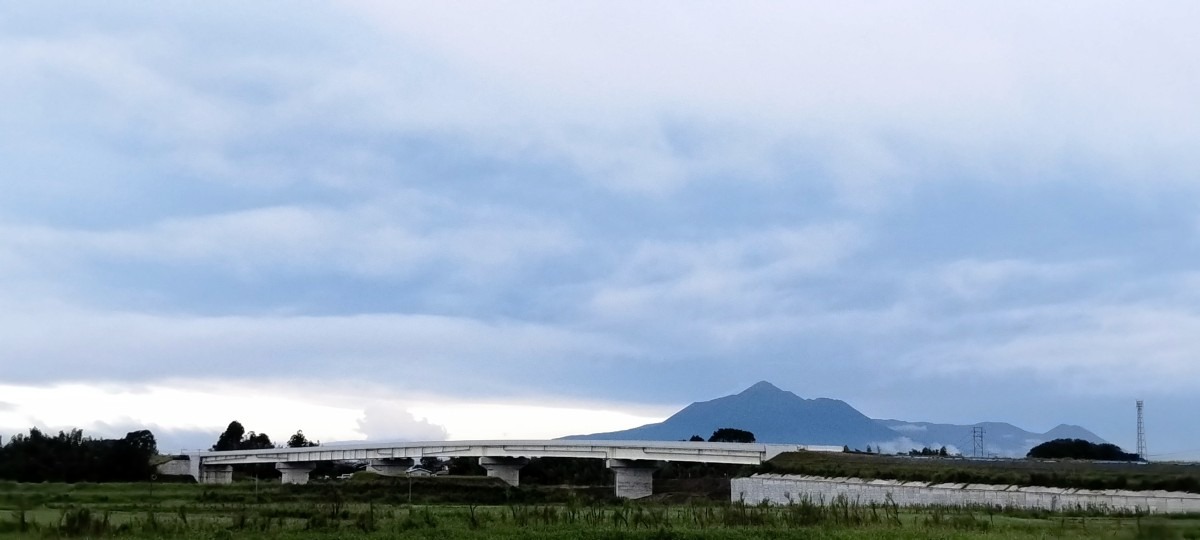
[(295, 472), (504, 468), (216, 474), (390, 467), (634, 478)]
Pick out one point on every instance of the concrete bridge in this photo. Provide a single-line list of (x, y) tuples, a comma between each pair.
[(632, 462)]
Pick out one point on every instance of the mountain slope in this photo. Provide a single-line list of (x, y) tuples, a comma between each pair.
[(773, 415)]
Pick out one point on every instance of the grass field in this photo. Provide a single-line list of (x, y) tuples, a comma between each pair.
[(1063, 474), (465, 508)]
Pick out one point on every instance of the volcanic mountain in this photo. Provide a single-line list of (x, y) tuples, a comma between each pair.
[(773, 415), (778, 416)]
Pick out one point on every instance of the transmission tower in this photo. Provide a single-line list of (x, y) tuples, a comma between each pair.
[(979, 450), (1141, 441)]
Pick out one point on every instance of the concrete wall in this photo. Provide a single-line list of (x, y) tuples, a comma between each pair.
[(780, 489), (179, 467)]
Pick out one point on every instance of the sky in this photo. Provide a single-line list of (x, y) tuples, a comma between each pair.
[(420, 221)]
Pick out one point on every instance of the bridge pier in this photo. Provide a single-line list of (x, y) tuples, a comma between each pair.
[(390, 467), (634, 478), (507, 469), (216, 474), (295, 472)]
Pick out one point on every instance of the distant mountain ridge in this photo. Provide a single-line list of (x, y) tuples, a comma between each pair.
[(999, 438), (779, 416)]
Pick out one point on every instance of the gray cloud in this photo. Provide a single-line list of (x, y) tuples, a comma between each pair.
[(538, 200), (114, 345), (366, 242)]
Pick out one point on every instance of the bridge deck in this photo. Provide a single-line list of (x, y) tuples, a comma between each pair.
[(738, 453)]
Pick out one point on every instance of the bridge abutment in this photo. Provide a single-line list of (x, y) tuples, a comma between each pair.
[(507, 469), (294, 472), (634, 478), (216, 474)]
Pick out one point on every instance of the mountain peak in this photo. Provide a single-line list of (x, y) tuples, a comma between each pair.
[(773, 415), (762, 387)]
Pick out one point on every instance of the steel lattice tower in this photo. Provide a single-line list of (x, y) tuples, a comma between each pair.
[(977, 442), (1141, 440)]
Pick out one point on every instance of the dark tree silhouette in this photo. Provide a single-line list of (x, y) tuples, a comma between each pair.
[(257, 441), (1080, 449), (236, 438), (232, 438), (71, 457), (731, 435), (298, 440)]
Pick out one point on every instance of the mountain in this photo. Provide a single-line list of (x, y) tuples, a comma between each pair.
[(999, 438), (778, 416), (773, 415)]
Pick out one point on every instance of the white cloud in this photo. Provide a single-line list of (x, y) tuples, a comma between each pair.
[(552, 419), (398, 424), (191, 413), (908, 427), (111, 410), (903, 445), (1013, 94)]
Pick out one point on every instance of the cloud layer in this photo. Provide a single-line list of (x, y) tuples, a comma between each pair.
[(987, 212)]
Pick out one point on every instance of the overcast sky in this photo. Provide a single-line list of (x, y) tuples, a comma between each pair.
[(522, 219)]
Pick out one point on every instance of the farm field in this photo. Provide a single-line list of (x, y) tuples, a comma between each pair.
[(479, 508), (1021, 472)]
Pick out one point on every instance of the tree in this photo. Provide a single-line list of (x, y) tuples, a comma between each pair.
[(232, 438), (129, 458), (696, 438), (1080, 449), (298, 440), (236, 438), (71, 457), (731, 435), (142, 441), (257, 441)]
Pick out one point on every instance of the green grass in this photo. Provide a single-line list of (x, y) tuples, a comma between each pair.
[(370, 510), (1062, 474)]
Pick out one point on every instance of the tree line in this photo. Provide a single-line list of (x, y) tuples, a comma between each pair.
[(71, 457)]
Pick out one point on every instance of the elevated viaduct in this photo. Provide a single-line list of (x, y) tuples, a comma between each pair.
[(632, 462)]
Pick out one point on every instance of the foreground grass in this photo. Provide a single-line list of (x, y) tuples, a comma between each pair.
[(359, 511)]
